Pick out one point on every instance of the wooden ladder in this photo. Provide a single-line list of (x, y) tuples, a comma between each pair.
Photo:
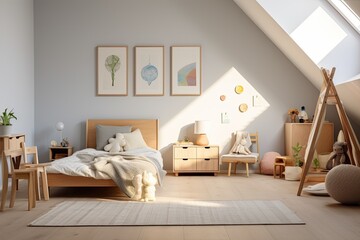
[(328, 96)]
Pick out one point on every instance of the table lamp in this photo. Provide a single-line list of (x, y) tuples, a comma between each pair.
[(60, 127), (201, 128)]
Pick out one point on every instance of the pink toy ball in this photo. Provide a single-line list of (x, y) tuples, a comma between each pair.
[(267, 162), (342, 183)]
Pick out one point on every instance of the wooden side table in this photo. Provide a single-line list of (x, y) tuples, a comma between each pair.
[(280, 163), (11, 142), (59, 152)]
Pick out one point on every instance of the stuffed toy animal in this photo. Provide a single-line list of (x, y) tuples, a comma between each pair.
[(138, 185), (242, 148), (117, 144), (148, 189), (338, 156)]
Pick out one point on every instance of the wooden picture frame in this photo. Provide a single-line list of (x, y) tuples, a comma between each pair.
[(149, 71), (186, 70), (112, 70)]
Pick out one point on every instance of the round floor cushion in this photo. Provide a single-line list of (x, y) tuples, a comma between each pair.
[(342, 183), (267, 162)]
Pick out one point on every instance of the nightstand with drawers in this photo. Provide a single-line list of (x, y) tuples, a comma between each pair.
[(193, 158)]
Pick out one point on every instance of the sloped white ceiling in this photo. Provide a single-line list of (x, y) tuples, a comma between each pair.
[(349, 91)]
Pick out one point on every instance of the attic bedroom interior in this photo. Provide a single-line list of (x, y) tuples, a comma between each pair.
[(180, 119)]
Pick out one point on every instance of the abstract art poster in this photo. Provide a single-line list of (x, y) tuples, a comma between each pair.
[(149, 71), (185, 70), (112, 70)]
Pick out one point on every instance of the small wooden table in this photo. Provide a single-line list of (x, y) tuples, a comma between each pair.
[(281, 162)]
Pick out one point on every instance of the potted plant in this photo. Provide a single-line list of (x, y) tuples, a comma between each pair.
[(293, 173), (316, 164), (5, 121), (296, 154)]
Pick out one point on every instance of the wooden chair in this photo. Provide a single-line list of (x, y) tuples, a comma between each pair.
[(16, 174), (241, 158), (41, 176)]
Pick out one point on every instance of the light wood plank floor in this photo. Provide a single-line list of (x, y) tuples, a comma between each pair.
[(324, 217)]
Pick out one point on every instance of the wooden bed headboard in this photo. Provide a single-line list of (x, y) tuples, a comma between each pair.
[(149, 129)]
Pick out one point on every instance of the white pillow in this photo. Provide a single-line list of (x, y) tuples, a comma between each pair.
[(134, 140)]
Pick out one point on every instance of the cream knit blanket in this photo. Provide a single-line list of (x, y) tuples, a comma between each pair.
[(122, 168)]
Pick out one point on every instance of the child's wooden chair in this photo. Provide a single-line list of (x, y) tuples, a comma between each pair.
[(28, 174), (41, 176)]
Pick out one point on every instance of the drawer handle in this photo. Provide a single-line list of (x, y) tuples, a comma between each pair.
[(207, 147), (185, 159), (18, 137), (207, 159), (184, 147)]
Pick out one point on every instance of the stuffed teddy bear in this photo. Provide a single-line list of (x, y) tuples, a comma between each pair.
[(242, 148), (138, 185), (117, 144), (148, 189), (338, 156)]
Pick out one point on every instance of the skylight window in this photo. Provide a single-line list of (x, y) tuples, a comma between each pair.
[(347, 13), (318, 35)]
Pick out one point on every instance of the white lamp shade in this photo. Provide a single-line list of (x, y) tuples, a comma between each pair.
[(60, 126), (201, 127)]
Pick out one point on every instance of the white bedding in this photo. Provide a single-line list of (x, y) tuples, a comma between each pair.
[(74, 166)]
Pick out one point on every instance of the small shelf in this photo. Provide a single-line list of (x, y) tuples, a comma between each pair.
[(59, 152)]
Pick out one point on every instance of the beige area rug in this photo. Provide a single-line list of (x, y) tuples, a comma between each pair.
[(119, 213)]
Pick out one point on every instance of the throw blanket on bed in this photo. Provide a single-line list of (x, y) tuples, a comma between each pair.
[(122, 168)]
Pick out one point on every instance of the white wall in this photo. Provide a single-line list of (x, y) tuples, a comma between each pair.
[(234, 51), (17, 64)]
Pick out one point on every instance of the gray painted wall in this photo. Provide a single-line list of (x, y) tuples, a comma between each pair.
[(234, 51), (17, 64)]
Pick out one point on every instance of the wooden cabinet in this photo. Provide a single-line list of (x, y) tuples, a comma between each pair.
[(194, 158), (299, 133), (59, 152), (11, 142)]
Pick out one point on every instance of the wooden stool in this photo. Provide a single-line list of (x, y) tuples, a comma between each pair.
[(41, 175), (29, 175), (280, 163)]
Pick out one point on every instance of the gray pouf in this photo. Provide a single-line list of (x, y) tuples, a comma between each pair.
[(343, 184)]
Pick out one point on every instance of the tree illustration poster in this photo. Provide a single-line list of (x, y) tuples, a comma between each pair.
[(112, 70)]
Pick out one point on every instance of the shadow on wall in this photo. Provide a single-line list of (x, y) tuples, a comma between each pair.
[(186, 132)]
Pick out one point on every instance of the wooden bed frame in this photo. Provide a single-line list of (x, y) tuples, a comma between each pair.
[(149, 130)]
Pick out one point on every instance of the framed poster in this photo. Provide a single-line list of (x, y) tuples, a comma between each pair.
[(112, 70), (185, 70), (149, 71)]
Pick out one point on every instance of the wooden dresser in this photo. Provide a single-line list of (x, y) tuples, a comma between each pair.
[(193, 158)]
